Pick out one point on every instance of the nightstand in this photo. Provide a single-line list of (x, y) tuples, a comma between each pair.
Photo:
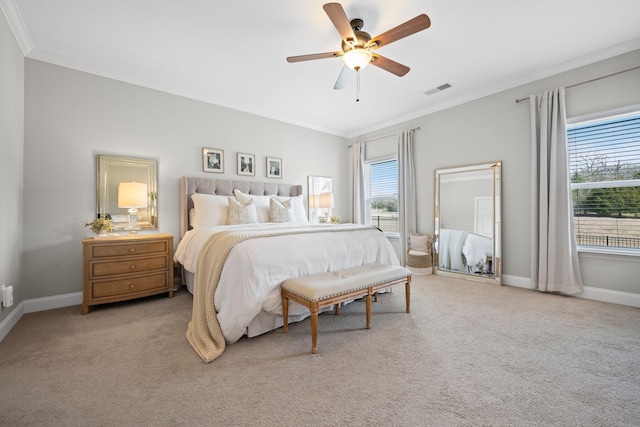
[(126, 267)]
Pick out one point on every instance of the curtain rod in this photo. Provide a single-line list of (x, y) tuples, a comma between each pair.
[(381, 137), (518, 101)]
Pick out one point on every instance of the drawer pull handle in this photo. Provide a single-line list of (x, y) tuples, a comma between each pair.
[(132, 286), (132, 267), (132, 250)]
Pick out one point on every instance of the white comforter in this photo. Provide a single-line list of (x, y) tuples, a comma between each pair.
[(254, 269)]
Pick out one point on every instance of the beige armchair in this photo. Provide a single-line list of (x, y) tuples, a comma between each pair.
[(420, 250)]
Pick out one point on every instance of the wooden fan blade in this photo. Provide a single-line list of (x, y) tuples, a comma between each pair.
[(341, 83), (412, 26), (340, 21), (301, 58), (388, 65)]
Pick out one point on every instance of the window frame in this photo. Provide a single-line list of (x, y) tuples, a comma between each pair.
[(612, 114), (367, 190)]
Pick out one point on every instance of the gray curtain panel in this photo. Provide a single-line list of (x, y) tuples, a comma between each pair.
[(554, 257)]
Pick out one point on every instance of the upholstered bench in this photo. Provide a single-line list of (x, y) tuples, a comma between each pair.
[(325, 289)]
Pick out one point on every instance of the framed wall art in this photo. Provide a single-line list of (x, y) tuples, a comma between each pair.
[(274, 167), (212, 160), (246, 164)]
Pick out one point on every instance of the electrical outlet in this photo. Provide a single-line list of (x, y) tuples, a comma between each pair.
[(7, 296)]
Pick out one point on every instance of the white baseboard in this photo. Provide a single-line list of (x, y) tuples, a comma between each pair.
[(590, 292), (517, 281), (614, 297), (11, 320), (37, 304), (49, 303)]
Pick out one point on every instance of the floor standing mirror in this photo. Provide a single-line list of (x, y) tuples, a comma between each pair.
[(468, 222)]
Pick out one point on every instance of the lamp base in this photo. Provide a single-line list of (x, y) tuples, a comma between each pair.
[(133, 221)]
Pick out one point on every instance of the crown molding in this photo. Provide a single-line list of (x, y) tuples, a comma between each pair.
[(570, 65), (14, 18)]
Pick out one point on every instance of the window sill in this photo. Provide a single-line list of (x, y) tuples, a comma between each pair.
[(601, 252)]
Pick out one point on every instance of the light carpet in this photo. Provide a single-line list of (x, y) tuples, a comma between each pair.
[(469, 354)]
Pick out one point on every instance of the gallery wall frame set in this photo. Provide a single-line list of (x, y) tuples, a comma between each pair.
[(213, 161)]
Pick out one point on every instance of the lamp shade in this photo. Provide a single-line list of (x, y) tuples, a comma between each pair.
[(314, 201), (132, 195), (325, 200), (357, 58)]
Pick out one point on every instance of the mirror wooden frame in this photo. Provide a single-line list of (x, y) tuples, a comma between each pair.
[(470, 173), (111, 170)]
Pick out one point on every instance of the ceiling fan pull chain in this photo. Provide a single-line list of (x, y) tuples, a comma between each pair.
[(358, 84)]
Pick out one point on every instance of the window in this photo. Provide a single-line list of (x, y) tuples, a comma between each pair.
[(381, 193), (604, 166)]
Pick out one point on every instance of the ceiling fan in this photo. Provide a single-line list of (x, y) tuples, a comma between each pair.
[(358, 47)]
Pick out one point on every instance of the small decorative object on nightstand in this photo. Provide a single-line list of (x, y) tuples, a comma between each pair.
[(126, 267), (100, 225)]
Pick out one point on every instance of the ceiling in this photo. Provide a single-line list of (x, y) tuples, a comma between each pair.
[(233, 53)]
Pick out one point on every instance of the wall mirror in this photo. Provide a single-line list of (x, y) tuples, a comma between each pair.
[(468, 222), (111, 171), (320, 193)]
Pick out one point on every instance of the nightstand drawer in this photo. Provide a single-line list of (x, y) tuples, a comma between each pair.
[(127, 266), (128, 248), (112, 288)]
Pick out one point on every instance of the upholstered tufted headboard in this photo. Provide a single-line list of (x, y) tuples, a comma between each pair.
[(225, 187)]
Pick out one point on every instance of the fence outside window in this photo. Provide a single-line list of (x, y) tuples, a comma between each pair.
[(386, 223)]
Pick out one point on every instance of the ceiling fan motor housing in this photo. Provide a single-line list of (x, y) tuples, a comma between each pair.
[(362, 38)]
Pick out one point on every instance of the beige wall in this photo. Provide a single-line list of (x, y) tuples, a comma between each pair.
[(71, 116), (496, 128), (11, 152)]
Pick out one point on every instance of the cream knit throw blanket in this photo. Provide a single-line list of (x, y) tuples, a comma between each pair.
[(204, 333)]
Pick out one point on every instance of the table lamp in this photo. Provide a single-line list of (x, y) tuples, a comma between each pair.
[(325, 201), (132, 195)]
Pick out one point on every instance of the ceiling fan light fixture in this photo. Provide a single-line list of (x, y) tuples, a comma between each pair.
[(357, 58)]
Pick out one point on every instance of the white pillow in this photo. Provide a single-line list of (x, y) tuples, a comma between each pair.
[(261, 203), (211, 210), (298, 207), (240, 213), (281, 212)]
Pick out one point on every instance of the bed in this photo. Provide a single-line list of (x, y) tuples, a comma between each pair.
[(463, 251), (234, 271)]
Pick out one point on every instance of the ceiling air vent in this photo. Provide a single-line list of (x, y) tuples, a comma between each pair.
[(438, 89)]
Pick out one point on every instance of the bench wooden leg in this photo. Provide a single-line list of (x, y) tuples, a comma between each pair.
[(407, 293), (285, 311), (336, 309), (369, 309), (314, 330)]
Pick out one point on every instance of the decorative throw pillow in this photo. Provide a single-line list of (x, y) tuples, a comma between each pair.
[(241, 214), (420, 242), (261, 203), (281, 212), (298, 207), (210, 210)]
